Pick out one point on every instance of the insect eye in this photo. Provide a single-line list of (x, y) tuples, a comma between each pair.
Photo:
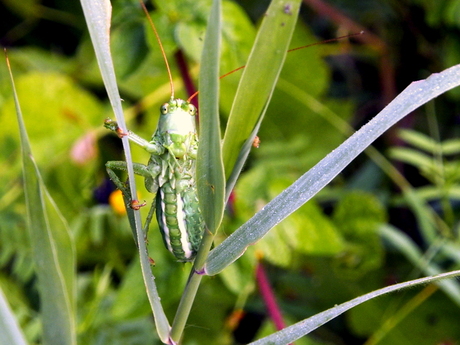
[(191, 109), (164, 109)]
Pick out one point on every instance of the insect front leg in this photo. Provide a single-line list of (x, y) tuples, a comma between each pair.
[(150, 173), (153, 147)]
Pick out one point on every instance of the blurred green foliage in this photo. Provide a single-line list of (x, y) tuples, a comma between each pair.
[(327, 252)]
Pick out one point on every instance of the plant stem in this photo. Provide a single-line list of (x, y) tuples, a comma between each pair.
[(186, 78), (269, 297), (185, 305), (191, 288)]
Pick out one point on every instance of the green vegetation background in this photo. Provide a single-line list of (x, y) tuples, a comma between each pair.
[(329, 251)]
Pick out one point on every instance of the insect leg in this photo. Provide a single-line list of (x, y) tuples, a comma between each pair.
[(148, 220), (149, 172), (152, 146)]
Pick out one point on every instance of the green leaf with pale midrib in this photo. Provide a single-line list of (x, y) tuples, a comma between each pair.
[(415, 95), (52, 248), (304, 327), (210, 174), (210, 169), (97, 14), (257, 84)]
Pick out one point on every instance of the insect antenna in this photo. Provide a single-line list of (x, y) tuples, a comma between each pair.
[(290, 50), (161, 47), (326, 41)]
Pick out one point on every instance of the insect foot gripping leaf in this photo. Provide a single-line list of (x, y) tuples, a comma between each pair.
[(170, 174)]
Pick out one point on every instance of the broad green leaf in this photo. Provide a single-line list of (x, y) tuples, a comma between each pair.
[(275, 249), (10, 333), (358, 216), (182, 24), (304, 327), (308, 230), (52, 247), (239, 278), (128, 47), (69, 113), (415, 95)]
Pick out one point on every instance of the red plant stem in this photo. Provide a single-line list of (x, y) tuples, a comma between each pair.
[(188, 82), (269, 297), (387, 72)]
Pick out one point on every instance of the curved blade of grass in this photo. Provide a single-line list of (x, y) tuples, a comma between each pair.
[(52, 249), (210, 169), (427, 219), (97, 14), (298, 330), (415, 95), (10, 333), (412, 252), (257, 84)]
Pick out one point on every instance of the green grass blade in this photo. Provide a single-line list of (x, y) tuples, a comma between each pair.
[(97, 14), (210, 169), (413, 253), (298, 330), (415, 95), (52, 249), (419, 140), (257, 84), (10, 333)]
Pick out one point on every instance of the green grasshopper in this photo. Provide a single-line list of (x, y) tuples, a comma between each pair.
[(170, 174)]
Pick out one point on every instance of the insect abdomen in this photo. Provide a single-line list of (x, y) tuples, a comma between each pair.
[(180, 220)]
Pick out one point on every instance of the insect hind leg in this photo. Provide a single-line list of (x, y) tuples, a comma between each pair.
[(139, 169), (149, 172)]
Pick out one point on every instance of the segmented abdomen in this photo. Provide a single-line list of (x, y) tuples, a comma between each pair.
[(180, 220)]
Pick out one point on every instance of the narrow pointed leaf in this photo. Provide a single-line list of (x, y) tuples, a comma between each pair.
[(257, 84), (413, 253), (10, 333), (298, 330), (210, 174), (52, 249), (210, 169), (415, 95), (97, 14)]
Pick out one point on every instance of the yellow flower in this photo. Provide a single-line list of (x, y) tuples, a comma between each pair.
[(117, 202)]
